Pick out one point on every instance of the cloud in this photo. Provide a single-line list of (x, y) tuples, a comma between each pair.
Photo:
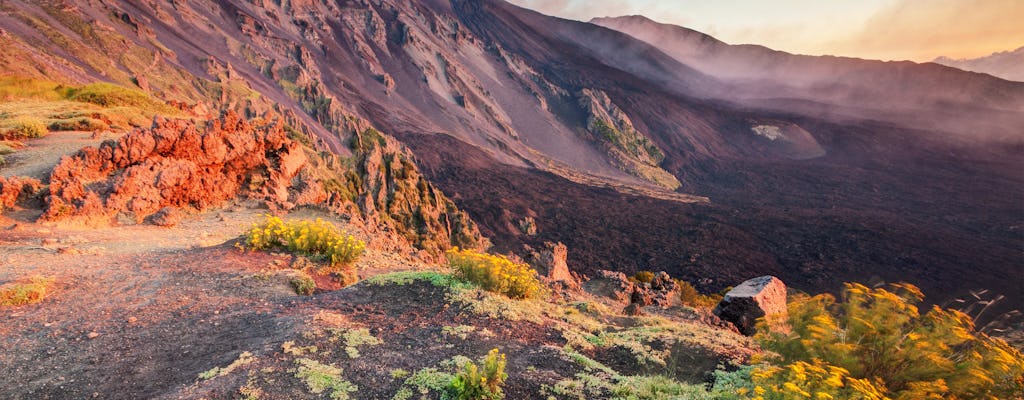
[(923, 29)]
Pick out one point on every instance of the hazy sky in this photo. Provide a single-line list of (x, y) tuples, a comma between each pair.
[(917, 30)]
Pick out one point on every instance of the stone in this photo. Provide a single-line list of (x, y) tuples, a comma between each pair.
[(611, 284), (14, 190), (641, 295), (167, 216), (550, 263), (634, 309), (764, 296)]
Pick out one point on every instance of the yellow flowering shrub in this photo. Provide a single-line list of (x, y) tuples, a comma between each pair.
[(815, 380), (876, 343), (495, 273), (318, 239)]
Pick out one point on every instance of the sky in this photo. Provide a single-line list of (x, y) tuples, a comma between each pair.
[(917, 30)]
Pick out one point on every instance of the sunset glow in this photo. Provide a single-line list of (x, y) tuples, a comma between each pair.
[(917, 30)]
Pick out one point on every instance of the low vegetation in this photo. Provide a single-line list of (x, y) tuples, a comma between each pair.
[(245, 358), (480, 382), (876, 344), (26, 292), (495, 273), (320, 378), (29, 108), (354, 338), (109, 95), (318, 239), (689, 295), (303, 284), (24, 128)]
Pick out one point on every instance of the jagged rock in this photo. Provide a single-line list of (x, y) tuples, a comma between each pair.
[(634, 309), (528, 226), (641, 295), (614, 285), (753, 299), (392, 192), (14, 190), (661, 291), (629, 149), (167, 216), (175, 163), (550, 263)]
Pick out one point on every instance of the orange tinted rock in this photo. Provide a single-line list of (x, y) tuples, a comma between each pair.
[(14, 190), (176, 164)]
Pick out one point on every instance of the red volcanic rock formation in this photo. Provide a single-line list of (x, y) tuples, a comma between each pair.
[(175, 164), (14, 190)]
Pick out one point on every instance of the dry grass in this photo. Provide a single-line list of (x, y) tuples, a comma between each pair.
[(89, 107)]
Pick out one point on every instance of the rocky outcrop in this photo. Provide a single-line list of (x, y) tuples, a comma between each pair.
[(611, 284), (176, 163), (629, 149), (390, 191), (662, 290), (15, 190), (550, 263), (764, 296)]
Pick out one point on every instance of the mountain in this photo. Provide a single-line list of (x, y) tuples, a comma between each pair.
[(897, 92), (1008, 65), (643, 147)]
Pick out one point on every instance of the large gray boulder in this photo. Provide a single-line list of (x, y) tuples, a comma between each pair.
[(753, 299)]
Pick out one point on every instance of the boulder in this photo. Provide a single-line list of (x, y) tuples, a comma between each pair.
[(550, 263), (755, 298), (167, 216), (634, 310)]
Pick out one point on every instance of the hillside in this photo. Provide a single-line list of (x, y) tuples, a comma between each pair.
[(140, 142)]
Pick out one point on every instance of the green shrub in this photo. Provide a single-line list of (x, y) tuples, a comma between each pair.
[(26, 128), (480, 382), (689, 295), (494, 273), (303, 284), (319, 239), (642, 277), (78, 124), (22, 293), (876, 343), (324, 377), (110, 95)]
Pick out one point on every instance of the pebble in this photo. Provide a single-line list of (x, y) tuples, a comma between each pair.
[(93, 335)]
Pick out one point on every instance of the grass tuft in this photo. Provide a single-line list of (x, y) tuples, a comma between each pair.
[(23, 293), (25, 128)]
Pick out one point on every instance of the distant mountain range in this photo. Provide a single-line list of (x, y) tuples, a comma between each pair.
[(1008, 65)]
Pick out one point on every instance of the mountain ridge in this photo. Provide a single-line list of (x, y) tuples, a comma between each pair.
[(511, 83)]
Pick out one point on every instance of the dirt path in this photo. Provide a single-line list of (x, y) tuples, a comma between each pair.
[(39, 156), (138, 311)]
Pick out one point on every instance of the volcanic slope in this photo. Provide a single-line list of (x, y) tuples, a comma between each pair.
[(835, 181)]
